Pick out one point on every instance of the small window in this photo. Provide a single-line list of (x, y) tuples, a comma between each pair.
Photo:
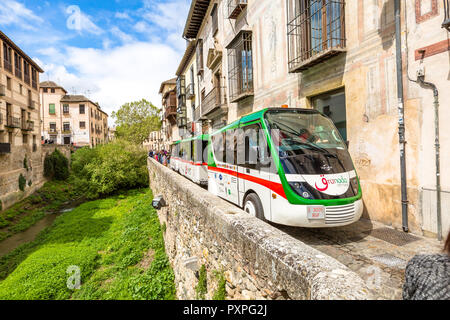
[(20, 89), (65, 108), (215, 20), (45, 90), (53, 90), (51, 108), (82, 109), (25, 139), (82, 125), (66, 126), (8, 83)]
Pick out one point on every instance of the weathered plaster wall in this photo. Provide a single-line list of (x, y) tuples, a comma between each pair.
[(257, 260)]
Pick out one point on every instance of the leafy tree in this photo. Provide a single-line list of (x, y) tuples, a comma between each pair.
[(56, 166), (135, 121)]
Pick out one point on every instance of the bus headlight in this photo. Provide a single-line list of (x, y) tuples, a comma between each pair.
[(301, 190), (354, 184)]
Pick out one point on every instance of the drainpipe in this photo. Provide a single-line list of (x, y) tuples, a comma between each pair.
[(401, 115), (437, 148)]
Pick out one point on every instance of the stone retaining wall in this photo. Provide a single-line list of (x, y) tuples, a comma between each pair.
[(12, 166), (257, 260)]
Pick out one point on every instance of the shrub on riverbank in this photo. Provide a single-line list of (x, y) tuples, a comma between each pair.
[(56, 166), (108, 168), (116, 242)]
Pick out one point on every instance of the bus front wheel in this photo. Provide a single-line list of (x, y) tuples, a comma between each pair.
[(253, 206)]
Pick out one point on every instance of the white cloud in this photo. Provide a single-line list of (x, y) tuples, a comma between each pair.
[(13, 12), (170, 16), (124, 37), (122, 15), (127, 73)]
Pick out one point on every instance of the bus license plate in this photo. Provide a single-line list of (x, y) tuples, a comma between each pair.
[(316, 213)]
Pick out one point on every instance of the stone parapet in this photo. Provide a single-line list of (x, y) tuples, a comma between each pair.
[(257, 260)]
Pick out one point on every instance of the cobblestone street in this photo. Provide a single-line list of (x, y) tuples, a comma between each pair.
[(377, 253)]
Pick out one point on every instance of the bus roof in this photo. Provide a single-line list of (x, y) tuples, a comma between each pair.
[(198, 137)]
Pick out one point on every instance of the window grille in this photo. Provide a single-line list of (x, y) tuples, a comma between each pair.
[(316, 31), (240, 66)]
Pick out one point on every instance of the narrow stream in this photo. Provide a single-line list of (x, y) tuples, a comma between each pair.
[(28, 235)]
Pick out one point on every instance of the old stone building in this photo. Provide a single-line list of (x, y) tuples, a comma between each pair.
[(71, 119), (169, 129), (340, 58), (20, 147)]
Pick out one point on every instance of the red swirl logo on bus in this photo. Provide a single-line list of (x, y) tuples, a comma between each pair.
[(327, 182)]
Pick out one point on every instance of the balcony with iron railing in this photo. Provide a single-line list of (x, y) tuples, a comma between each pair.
[(316, 32), (5, 148), (31, 103), (34, 84), (12, 122), (26, 78), (27, 125), (52, 130), (215, 99), (18, 73), (7, 65), (235, 7), (190, 91), (171, 114)]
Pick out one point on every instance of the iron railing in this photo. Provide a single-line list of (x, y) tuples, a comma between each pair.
[(235, 7), (240, 66), (190, 91), (316, 29), (214, 99), (12, 122), (26, 78), (52, 130), (5, 147), (7, 64), (18, 73)]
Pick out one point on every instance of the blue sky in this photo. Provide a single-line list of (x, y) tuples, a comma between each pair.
[(113, 51)]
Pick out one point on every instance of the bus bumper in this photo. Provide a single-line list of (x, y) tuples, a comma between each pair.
[(335, 216)]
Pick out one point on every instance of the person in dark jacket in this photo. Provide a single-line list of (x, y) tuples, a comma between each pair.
[(427, 277)]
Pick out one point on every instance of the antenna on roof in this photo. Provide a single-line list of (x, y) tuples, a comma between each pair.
[(74, 91), (87, 93)]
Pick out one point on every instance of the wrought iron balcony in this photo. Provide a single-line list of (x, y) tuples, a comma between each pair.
[(12, 122), (213, 100), (171, 114), (18, 73), (27, 125), (316, 32), (5, 148), (31, 104), (52, 130), (8, 66), (26, 78), (235, 7), (190, 91)]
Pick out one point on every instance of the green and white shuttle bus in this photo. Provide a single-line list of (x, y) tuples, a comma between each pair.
[(187, 158), (285, 165)]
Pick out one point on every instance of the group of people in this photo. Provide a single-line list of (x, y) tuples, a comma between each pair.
[(162, 156)]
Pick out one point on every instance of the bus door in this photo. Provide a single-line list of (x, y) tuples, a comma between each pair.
[(252, 156)]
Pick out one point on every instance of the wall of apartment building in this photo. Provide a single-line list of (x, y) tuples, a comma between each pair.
[(48, 98), (366, 73), (81, 135), (193, 101), (25, 144), (170, 132)]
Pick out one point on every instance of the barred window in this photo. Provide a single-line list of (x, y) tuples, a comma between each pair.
[(65, 108), (316, 31), (240, 66)]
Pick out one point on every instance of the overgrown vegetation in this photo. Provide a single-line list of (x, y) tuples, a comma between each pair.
[(135, 121), (49, 199), (201, 289), (22, 182), (56, 166), (221, 292), (108, 168), (116, 242)]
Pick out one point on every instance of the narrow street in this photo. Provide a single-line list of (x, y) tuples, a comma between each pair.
[(379, 254)]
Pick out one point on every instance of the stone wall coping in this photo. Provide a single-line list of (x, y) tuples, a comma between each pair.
[(326, 277)]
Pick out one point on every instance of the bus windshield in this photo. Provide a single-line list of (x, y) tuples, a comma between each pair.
[(304, 130), (307, 142)]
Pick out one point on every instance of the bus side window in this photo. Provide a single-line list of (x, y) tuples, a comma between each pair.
[(204, 151), (230, 147)]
